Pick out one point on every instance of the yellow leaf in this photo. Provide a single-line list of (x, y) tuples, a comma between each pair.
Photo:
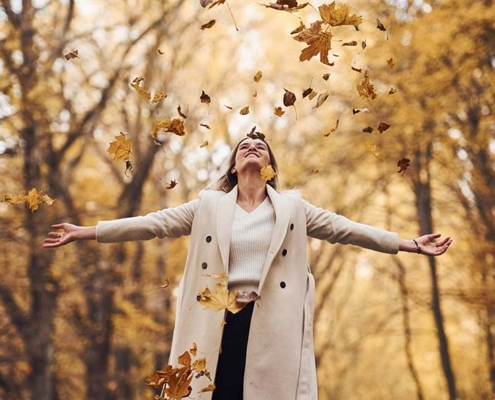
[(15, 198), (199, 365), (158, 96), (338, 16), (333, 129), (372, 148), (267, 173), (221, 299), (120, 148), (209, 388), (145, 94), (32, 199), (175, 125)]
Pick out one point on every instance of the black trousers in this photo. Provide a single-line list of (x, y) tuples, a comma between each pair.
[(229, 379)]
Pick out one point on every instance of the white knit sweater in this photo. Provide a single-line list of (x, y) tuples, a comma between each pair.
[(251, 236)]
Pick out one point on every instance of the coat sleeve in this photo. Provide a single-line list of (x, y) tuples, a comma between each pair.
[(169, 222), (334, 228)]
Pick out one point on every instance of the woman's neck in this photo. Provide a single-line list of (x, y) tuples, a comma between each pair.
[(251, 193)]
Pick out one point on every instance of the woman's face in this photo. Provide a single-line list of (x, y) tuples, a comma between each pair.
[(251, 153)]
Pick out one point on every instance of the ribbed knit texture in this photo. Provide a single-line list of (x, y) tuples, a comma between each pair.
[(250, 241)]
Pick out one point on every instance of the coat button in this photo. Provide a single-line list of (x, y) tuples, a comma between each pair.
[(204, 265), (284, 252), (282, 285), (291, 227), (208, 239)]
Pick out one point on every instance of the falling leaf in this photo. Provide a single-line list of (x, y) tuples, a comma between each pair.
[(321, 99), (392, 91), (286, 5), (158, 96), (171, 185), (278, 111), (205, 126), (160, 52), (14, 198), (358, 110), (357, 69), (368, 129), (244, 110), (363, 44), (380, 25), (312, 95), (168, 125), (318, 41), (267, 173), (205, 3), (255, 94), (366, 89), (143, 93), (333, 129), (220, 299), (208, 25), (204, 144), (314, 171), (72, 55), (255, 135), (289, 98), (353, 43), (338, 16), (258, 76), (205, 98), (120, 148), (229, 107), (181, 113), (326, 76), (299, 29), (372, 148), (32, 199), (306, 92), (128, 167), (383, 127), (194, 350), (390, 63), (403, 164)]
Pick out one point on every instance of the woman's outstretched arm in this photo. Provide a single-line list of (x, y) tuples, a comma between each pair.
[(425, 245), (67, 233)]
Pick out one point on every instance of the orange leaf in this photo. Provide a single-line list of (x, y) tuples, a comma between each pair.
[(120, 148), (136, 84), (208, 25), (319, 42), (366, 89), (168, 125), (267, 173), (278, 111), (244, 110), (221, 299)]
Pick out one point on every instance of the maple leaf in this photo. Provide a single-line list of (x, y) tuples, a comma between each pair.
[(338, 16), (208, 25), (71, 55), (179, 385), (321, 99), (403, 164), (372, 148), (383, 127), (136, 85), (168, 125), (318, 41), (120, 148), (333, 129), (244, 110), (204, 98), (220, 299), (267, 173), (366, 89), (158, 96), (35, 198), (278, 111), (258, 76), (171, 185), (392, 91)]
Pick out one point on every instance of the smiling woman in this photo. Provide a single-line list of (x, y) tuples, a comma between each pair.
[(252, 235)]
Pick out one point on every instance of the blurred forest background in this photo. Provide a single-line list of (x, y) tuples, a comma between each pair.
[(91, 321)]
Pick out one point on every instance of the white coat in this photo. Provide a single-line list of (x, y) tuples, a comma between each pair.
[(280, 362)]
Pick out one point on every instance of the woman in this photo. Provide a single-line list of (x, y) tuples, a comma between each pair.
[(257, 236)]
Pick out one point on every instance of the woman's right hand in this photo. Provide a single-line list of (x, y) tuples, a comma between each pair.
[(68, 233)]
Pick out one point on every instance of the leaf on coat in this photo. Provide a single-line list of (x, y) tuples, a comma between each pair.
[(121, 148), (223, 277), (220, 299), (267, 173)]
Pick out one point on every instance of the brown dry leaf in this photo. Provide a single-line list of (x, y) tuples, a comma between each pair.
[(390, 63), (258, 76), (357, 69), (120, 148), (380, 26), (128, 167), (314, 171), (205, 98), (321, 99), (143, 93), (299, 29), (160, 52), (383, 127), (179, 385), (326, 76), (185, 359), (158, 96), (179, 110), (333, 129), (286, 5), (226, 106), (318, 41), (204, 144), (366, 89), (72, 55), (204, 3), (289, 98), (168, 125), (392, 91), (194, 349), (363, 44), (171, 185), (209, 388), (338, 16), (353, 43), (208, 25), (205, 126), (221, 299), (403, 164), (307, 92), (358, 110), (368, 129), (267, 173), (159, 378), (244, 110), (278, 111)]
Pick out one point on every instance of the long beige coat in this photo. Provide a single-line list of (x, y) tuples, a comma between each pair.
[(280, 362)]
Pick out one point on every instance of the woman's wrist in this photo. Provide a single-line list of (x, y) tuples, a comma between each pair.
[(410, 246)]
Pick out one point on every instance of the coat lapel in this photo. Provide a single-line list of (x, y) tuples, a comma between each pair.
[(225, 216), (282, 216)]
